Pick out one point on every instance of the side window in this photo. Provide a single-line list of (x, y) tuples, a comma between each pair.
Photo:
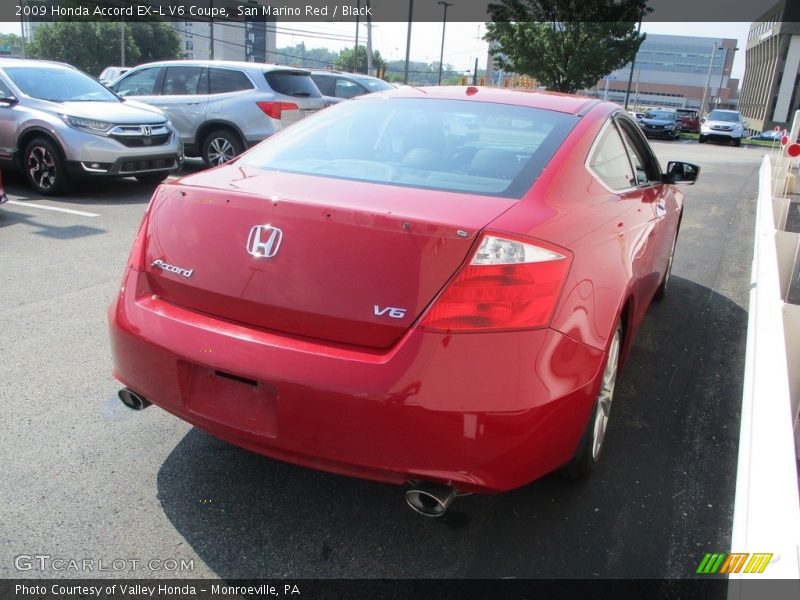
[(348, 89), (324, 83), (610, 160), (181, 81), (140, 83), (641, 157), (227, 80)]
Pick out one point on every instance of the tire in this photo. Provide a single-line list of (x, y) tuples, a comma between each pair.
[(221, 146), (44, 167), (152, 178), (737, 142), (701, 139), (661, 292), (591, 444)]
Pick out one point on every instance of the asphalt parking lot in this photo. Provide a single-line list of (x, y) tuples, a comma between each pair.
[(85, 478)]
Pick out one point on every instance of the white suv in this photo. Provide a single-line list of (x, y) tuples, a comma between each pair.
[(723, 126)]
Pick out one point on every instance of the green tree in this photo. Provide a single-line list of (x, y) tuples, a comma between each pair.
[(92, 46), (346, 62), (567, 45)]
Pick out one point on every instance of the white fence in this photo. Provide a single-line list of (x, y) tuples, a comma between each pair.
[(767, 510)]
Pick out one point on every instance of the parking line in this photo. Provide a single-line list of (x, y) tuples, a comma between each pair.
[(70, 211)]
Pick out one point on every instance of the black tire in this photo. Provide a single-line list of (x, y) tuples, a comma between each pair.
[(44, 168), (737, 142), (701, 139), (591, 444), (152, 178), (221, 146), (661, 292)]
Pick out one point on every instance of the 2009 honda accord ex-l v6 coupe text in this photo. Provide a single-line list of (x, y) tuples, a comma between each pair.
[(371, 292)]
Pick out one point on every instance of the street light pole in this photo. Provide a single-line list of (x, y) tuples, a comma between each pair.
[(708, 80), (408, 39), (633, 60), (444, 24), (355, 53)]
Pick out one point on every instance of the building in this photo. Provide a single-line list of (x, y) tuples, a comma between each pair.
[(252, 39), (770, 88), (676, 71)]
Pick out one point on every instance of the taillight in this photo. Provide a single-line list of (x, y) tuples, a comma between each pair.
[(508, 284), (274, 109)]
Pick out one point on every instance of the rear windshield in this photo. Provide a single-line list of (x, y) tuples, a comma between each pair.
[(717, 115), (451, 145), (292, 83)]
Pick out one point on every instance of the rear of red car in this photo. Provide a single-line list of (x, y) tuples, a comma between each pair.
[(365, 321), (690, 119)]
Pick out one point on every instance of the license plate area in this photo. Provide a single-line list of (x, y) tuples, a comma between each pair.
[(232, 400)]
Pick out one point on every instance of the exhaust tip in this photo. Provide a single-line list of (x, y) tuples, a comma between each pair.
[(430, 499), (132, 400)]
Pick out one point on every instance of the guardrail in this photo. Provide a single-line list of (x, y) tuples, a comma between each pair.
[(767, 509)]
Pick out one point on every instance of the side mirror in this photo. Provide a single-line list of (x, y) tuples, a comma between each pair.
[(681, 172), (8, 100)]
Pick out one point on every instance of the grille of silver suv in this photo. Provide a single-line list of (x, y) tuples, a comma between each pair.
[(138, 136)]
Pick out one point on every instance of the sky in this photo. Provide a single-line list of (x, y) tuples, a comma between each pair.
[(463, 41)]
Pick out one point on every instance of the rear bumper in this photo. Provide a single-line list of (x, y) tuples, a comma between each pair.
[(485, 413)]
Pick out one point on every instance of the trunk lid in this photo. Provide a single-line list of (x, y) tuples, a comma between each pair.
[(355, 263)]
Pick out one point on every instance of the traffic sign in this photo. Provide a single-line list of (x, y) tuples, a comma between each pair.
[(793, 150)]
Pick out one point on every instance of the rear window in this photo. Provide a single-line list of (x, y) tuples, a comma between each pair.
[(292, 83), (450, 145)]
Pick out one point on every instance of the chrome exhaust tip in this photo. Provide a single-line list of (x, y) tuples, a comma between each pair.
[(430, 499), (132, 400)]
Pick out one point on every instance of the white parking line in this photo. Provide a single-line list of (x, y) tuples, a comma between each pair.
[(70, 211)]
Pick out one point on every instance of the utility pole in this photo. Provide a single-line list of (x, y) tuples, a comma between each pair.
[(475, 73), (122, 43), (444, 25), (708, 81), (369, 38), (211, 32), (355, 52), (408, 39)]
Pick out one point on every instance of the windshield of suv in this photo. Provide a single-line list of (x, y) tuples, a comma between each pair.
[(59, 84), (718, 115), (665, 115), (373, 85), (451, 145)]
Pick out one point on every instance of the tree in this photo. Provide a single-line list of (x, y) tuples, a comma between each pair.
[(92, 46), (10, 43), (567, 45), (345, 62)]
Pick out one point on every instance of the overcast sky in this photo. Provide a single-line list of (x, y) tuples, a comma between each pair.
[(463, 41)]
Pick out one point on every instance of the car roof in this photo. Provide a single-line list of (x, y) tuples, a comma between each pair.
[(32, 62), (554, 101), (238, 64)]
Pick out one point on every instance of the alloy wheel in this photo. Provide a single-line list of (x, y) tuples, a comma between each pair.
[(605, 396), (42, 167), (220, 151)]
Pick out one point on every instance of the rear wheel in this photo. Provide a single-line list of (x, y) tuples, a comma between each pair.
[(221, 146), (591, 445), (44, 167)]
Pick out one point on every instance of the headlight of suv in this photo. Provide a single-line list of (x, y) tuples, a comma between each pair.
[(88, 125)]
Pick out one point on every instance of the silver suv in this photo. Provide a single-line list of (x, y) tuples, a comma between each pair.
[(220, 108), (57, 125), (723, 126)]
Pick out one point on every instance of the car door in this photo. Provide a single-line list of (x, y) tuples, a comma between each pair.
[(660, 197), (184, 97)]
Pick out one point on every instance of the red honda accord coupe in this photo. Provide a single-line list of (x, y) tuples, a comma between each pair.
[(379, 292)]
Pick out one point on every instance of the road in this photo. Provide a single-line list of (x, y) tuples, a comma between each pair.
[(84, 478)]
